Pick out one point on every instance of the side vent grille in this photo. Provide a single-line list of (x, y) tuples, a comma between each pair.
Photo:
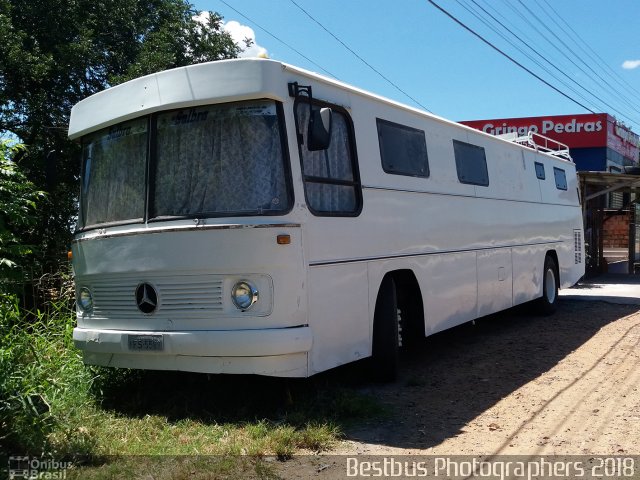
[(577, 246)]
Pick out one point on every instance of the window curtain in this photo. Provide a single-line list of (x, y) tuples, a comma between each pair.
[(333, 163), (220, 159), (113, 185)]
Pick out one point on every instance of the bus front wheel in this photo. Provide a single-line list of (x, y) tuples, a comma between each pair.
[(385, 346)]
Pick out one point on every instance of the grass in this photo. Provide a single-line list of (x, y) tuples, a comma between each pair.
[(44, 388), (115, 423)]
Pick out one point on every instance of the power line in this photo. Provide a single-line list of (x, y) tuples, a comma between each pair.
[(523, 52), (593, 55), (279, 40), (359, 57), (513, 60), (573, 54), (524, 15), (589, 92)]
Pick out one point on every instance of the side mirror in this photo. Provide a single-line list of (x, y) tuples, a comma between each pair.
[(319, 137)]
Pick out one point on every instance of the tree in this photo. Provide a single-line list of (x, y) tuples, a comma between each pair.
[(18, 200), (54, 53)]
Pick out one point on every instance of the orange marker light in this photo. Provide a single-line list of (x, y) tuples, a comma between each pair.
[(283, 239), (69, 255)]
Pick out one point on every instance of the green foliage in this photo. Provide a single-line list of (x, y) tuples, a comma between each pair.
[(44, 386), (18, 201), (54, 53)]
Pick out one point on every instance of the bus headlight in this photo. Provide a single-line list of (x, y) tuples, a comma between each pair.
[(244, 295), (85, 300)]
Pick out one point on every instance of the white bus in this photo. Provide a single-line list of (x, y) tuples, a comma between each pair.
[(250, 217)]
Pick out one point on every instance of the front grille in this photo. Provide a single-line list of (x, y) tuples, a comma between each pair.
[(191, 295)]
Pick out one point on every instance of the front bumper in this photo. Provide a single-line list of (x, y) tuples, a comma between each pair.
[(276, 351), (207, 343)]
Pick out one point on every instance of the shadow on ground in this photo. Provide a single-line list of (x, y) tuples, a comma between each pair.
[(334, 396), (460, 373), (449, 380)]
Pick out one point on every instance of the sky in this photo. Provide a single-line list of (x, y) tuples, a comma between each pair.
[(412, 52)]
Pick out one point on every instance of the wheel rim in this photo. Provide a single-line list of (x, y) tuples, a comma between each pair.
[(550, 281)]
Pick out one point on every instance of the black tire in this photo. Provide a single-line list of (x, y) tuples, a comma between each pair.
[(547, 304), (384, 351)]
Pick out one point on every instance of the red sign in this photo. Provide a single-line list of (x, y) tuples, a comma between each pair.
[(576, 131)]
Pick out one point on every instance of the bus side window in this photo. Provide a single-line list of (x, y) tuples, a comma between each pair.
[(331, 180), (561, 178), (471, 163), (403, 150)]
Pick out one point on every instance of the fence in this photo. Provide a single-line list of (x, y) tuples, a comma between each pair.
[(37, 290)]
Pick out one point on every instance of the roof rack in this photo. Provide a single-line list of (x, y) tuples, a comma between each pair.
[(539, 143)]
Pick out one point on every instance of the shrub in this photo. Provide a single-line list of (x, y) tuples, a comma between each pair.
[(44, 387), (18, 199)]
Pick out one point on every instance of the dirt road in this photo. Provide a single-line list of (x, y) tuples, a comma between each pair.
[(516, 383)]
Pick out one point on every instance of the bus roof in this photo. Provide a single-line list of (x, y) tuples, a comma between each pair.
[(193, 85), (235, 80)]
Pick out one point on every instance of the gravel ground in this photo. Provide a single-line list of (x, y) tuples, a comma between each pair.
[(514, 383)]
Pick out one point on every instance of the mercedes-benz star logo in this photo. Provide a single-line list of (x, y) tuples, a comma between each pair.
[(146, 298)]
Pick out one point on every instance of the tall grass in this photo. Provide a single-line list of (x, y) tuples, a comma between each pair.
[(44, 386)]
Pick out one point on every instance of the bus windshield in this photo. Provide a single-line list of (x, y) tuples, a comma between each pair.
[(113, 172), (214, 160)]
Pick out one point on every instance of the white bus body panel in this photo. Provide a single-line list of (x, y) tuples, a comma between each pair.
[(193, 270), (473, 250)]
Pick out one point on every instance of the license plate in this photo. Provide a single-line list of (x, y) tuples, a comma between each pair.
[(146, 343)]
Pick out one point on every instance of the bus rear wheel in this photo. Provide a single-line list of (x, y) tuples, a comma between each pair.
[(547, 304), (385, 346)]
